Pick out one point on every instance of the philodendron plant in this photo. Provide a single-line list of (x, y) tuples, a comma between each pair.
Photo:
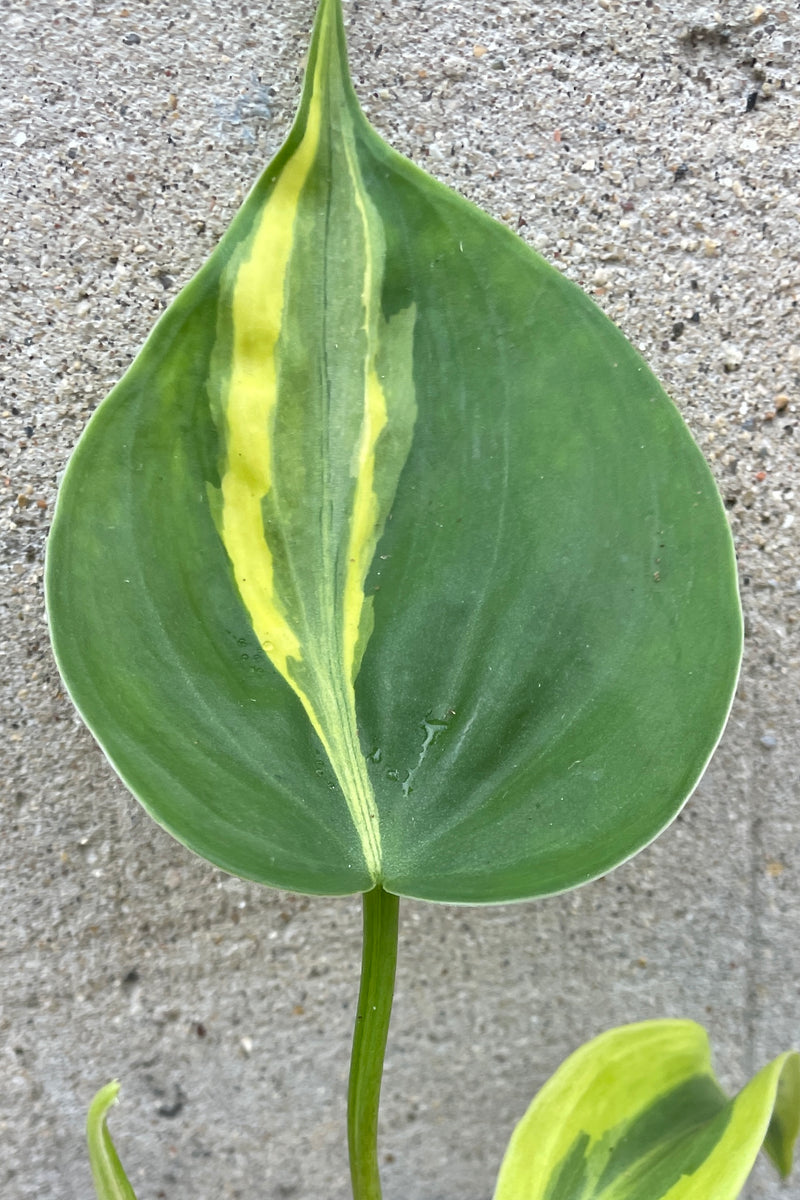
[(388, 567)]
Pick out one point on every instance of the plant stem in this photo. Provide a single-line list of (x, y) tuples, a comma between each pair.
[(378, 961)]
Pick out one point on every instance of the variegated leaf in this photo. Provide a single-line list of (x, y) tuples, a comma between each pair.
[(388, 560), (637, 1114)]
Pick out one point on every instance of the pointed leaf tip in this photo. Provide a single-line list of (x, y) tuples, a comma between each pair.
[(110, 1180), (329, 43)]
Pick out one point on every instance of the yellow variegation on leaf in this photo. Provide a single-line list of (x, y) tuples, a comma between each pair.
[(314, 377), (389, 567), (388, 560), (637, 1114)]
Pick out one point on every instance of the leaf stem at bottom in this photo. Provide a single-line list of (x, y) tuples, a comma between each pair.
[(378, 962)]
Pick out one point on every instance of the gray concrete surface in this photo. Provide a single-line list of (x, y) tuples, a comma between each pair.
[(651, 150)]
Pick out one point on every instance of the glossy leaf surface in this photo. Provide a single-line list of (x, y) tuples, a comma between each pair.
[(637, 1114), (110, 1180), (389, 559)]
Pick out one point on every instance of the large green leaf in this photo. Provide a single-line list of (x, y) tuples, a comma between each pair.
[(388, 559), (637, 1114)]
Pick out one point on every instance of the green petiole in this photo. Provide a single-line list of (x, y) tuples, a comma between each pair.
[(378, 962)]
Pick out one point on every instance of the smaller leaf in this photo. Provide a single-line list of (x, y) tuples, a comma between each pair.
[(110, 1181), (785, 1124), (637, 1114)]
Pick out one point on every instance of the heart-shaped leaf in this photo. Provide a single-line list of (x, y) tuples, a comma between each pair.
[(637, 1114), (388, 560)]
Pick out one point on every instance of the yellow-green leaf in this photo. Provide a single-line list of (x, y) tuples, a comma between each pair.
[(637, 1114), (110, 1180)]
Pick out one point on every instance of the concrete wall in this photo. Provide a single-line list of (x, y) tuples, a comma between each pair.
[(650, 149)]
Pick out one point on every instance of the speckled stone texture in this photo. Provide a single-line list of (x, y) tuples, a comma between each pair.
[(651, 151)]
